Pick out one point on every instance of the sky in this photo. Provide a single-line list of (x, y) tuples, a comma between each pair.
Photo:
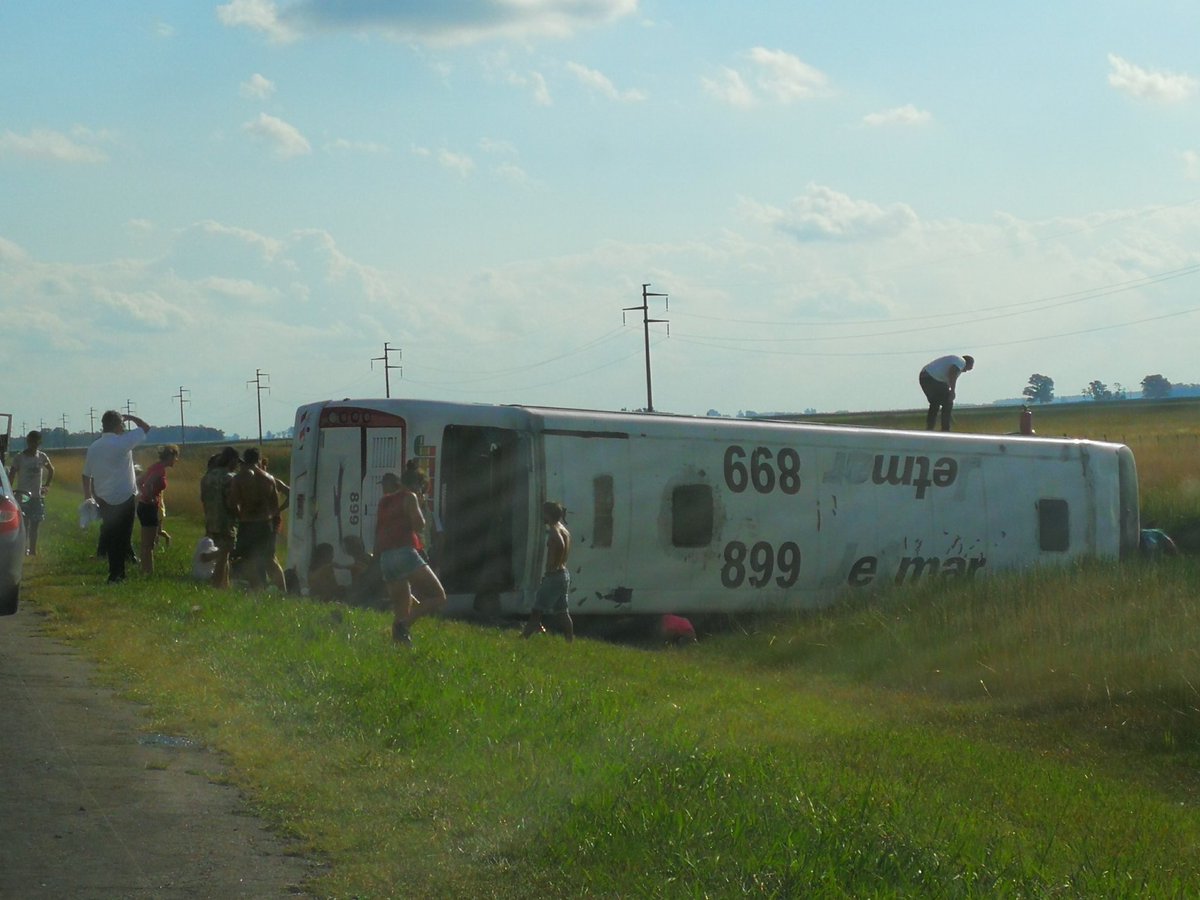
[(249, 201)]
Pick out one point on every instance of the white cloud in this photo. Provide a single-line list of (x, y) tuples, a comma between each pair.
[(53, 145), (541, 92), (447, 22), (507, 169), (1163, 87), (600, 82), (257, 15), (285, 138), (823, 214), (447, 159), (513, 173), (11, 252), (785, 77), (498, 147), (456, 162), (730, 88), (257, 87), (239, 290), (1191, 164), (535, 82), (343, 145), (772, 75), (148, 309), (901, 115)]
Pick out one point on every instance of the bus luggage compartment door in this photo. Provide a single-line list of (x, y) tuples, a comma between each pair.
[(483, 510)]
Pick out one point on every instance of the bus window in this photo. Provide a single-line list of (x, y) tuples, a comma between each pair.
[(692, 515), (603, 502), (1054, 531)]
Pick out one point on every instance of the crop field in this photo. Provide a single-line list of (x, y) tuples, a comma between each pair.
[(1032, 735)]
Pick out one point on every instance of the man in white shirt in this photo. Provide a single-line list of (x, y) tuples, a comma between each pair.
[(108, 477), (938, 379)]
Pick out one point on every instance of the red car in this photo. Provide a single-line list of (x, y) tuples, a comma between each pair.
[(12, 547)]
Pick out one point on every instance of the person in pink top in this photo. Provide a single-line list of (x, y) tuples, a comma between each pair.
[(150, 507)]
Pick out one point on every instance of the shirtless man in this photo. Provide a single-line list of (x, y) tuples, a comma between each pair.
[(219, 521), (254, 500), (551, 596)]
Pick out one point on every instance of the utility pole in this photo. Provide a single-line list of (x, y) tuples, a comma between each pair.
[(646, 322), (91, 420), (259, 387), (64, 437), (129, 407), (182, 400), (387, 348)]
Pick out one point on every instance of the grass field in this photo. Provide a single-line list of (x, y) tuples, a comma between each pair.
[(1033, 735)]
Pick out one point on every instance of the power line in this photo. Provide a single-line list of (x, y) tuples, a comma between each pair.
[(1049, 303), (646, 323), (387, 367), (259, 387), (182, 400), (491, 374), (1076, 298), (1025, 340)]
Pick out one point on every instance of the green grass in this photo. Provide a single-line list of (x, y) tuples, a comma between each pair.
[(1025, 736)]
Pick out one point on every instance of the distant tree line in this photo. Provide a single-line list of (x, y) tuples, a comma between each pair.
[(1040, 389)]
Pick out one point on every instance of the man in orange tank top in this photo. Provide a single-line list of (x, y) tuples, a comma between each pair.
[(398, 523)]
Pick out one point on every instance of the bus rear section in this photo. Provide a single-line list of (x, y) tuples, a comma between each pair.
[(340, 454), (476, 500)]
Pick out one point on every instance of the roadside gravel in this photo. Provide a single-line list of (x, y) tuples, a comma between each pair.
[(93, 804)]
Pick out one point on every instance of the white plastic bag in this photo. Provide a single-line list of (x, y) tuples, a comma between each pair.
[(89, 512)]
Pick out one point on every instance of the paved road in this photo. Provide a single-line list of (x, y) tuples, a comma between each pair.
[(92, 805)]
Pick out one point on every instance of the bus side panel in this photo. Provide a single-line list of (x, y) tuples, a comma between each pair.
[(905, 514), (793, 524), (590, 476)]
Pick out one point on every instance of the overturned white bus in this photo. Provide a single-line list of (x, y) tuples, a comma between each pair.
[(688, 514)]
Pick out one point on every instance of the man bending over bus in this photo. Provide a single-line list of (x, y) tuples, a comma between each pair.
[(551, 596), (938, 380)]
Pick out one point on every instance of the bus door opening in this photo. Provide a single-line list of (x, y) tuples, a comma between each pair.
[(357, 447), (483, 494)]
